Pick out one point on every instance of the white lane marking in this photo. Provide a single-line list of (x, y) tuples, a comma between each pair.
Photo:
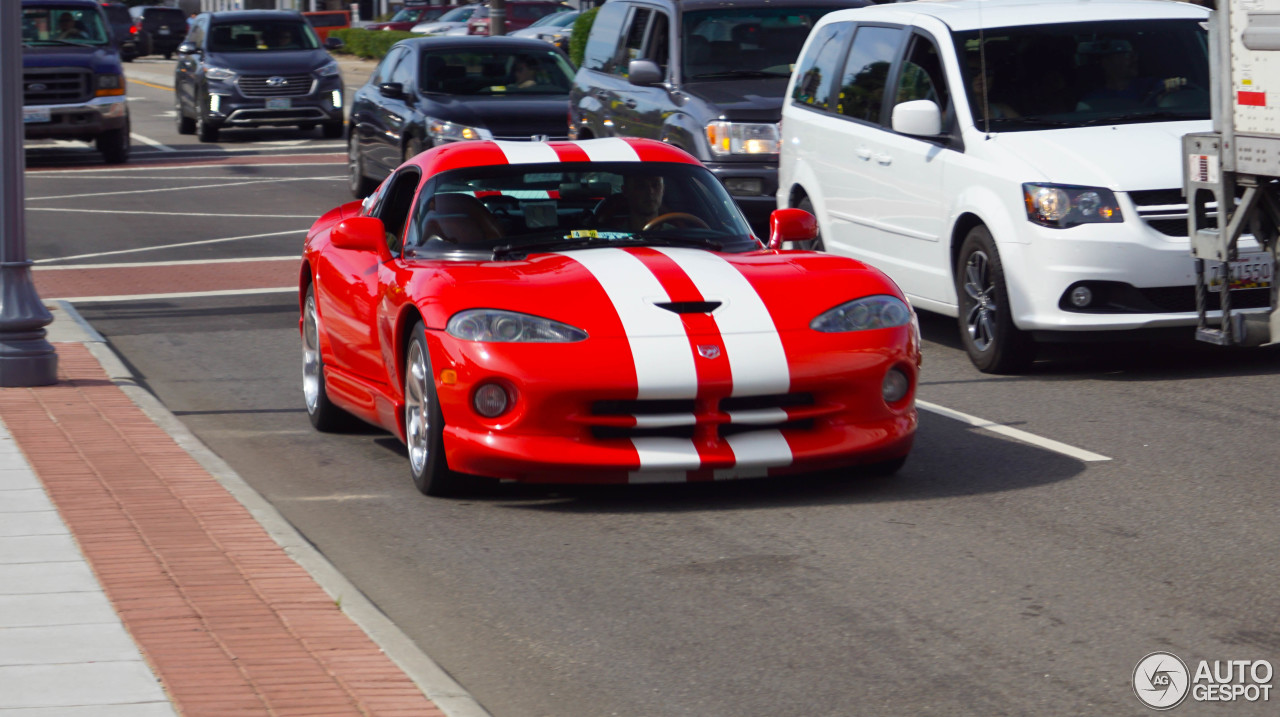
[(528, 152), (183, 262), (162, 247), (659, 345), (757, 361), (170, 213), (609, 149), (185, 214), (179, 189), (176, 295), (1014, 433), (55, 171), (151, 142)]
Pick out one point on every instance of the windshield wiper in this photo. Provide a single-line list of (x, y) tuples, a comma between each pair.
[(738, 73), (58, 41), (1141, 116), (594, 242)]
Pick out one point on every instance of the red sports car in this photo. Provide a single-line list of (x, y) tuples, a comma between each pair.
[(597, 311)]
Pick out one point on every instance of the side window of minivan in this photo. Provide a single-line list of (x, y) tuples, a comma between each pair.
[(922, 77), (820, 66), (633, 39), (866, 72), (602, 43)]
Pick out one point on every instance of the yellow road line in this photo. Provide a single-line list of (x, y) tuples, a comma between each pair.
[(148, 84)]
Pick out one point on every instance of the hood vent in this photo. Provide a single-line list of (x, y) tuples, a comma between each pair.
[(688, 307)]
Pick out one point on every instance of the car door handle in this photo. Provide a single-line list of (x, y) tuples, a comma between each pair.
[(884, 159), (863, 153)]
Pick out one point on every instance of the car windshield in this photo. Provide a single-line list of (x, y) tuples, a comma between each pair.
[(557, 19), (262, 36), (509, 211), (745, 42), (495, 72), (1086, 73), (458, 14), (53, 25)]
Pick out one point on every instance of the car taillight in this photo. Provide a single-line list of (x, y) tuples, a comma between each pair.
[(133, 29)]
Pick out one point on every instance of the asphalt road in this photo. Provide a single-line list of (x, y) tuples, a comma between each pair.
[(992, 576)]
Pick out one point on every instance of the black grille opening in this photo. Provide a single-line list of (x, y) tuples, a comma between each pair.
[(642, 408), (780, 400), (56, 86), (1113, 297), (608, 432), (283, 86), (731, 429)]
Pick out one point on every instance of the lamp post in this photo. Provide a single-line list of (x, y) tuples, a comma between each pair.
[(26, 357)]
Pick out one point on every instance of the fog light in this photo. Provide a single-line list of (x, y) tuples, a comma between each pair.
[(895, 386), (1081, 296), (337, 99), (744, 186), (215, 102), (490, 400)]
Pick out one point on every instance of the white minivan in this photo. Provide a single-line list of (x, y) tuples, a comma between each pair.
[(1014, 163)]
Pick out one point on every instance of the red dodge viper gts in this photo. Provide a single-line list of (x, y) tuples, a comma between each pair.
[(597, 311)]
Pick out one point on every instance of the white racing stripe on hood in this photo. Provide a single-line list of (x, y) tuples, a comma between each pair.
[(609, 149), (527, 152), (659, 345), (757, 360)]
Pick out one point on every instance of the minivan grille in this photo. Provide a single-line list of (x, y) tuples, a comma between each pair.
[(276, 86), (1163, 210), (57, 85)]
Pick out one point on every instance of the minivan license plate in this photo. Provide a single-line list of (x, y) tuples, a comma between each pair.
[(1248, 271), (278, 103)]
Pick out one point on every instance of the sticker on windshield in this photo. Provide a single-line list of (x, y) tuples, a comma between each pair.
[(596, 234)]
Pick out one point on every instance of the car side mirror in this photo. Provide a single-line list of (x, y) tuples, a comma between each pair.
[(361, 234), (333, 43), (188, 48), (920, 118), (644, 73), (393, 90), (791, 225)]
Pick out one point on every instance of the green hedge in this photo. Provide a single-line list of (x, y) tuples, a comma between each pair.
[(578, 40), (368, 43)]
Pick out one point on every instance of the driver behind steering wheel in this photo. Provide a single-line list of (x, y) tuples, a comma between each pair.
[(636, 205)]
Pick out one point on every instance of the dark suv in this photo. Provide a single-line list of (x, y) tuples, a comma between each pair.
[(73, 84), (256, 68), (704, 75), (122, 28), (166, 26)]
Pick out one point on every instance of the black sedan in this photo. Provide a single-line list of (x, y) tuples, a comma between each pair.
[(434, 90)]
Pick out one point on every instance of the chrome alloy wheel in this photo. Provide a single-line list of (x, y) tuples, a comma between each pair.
[(980, 319), (417, 408), (311, 367)]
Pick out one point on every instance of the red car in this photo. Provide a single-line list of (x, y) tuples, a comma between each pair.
[(597, 311), (410, 15), (520, 14)]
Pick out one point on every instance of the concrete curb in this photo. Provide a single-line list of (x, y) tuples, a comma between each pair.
[(442, 689)]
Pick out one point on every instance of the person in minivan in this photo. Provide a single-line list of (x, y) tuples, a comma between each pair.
[(1123, 86)]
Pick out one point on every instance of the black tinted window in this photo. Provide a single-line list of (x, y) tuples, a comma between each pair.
[(921, 77), (818, 69), (602, 44), (262, 36), (866, 71), (494, 72), (745, 41)]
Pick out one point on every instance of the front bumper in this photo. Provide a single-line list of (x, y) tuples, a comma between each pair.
[(1140, 278), (574, 418), (756, 206), (84, 120), (227, 106)]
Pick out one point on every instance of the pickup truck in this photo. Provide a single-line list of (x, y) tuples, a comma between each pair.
[(72, 79)]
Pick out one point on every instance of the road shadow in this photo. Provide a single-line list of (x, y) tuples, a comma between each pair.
[(950, 459)]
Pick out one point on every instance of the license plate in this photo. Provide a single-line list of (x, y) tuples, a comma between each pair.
[(164, 31), (279, 103), (1249, 271), (35, 114)]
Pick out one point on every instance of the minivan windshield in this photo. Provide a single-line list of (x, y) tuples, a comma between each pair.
[(732, 42), (1085, 73), (53, 25), (262, 36)]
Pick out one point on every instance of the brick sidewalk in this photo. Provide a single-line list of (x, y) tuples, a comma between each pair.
[(228, 621)]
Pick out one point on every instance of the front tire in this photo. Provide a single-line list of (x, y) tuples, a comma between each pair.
[(114, 145), (186, 125), (993, 342), (324, 415), (412, 148), (332, 130), (359, 184), (207, 130), (423, 421)]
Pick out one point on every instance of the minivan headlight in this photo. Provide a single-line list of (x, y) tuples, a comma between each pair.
[(494, 325), (869, 312), (1063, 205), (728, 138), (446, 131)]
